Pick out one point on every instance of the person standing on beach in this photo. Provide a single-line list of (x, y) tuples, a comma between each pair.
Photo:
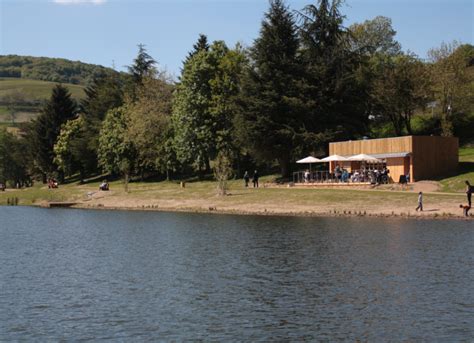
[(246, 178), (255, 179), (469, 191), (420, 202)]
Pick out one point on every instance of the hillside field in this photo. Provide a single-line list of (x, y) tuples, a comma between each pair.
[(34, 92)]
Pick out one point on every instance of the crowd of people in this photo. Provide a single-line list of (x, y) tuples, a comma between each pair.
[(374, 176)]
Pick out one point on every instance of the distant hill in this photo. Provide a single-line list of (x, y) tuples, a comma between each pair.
[(50, 69)]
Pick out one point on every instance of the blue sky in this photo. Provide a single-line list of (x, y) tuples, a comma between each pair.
[(107, 31)]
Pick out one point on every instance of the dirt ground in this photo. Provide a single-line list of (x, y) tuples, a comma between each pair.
[(439, 205)]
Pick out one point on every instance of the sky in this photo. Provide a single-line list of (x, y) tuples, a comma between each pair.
[(107, 32)]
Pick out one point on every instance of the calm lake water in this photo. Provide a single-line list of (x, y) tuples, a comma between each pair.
[(143, 276)]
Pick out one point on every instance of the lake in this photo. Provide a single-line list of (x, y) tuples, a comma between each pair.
[(147, 276)]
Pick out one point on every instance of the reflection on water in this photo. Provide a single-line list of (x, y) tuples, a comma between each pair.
[(72, 274)]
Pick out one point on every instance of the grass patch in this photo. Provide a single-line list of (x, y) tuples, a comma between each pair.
[(35, 89), (466, 172)]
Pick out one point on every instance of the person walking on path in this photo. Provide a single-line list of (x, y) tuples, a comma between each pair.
[(469, 191), (465, 209), (420, 202), (246, 178), (255, 179)]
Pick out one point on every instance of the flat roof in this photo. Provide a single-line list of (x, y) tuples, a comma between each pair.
[(387, 155)]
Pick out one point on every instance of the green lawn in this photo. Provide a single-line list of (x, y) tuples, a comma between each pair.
[(35, 89), (466, 172)]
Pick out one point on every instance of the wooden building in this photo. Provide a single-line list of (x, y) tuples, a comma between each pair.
[(420, 157)]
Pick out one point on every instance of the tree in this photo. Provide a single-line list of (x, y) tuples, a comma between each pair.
[(66, 157), (374, 36), (142, 65), (453, 83), (334, 86), (103, 94), (116, 152), (13, 164), (59, 109), (270, 120), (191, 119), (222, 171), (200, 45), (225, 86), (149, 123), (401, 87)]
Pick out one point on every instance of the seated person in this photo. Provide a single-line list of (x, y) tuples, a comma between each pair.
[(52, 183), (356, 176), (345, 175), (306, 176), (104, 186), (2, 187), (338, 173)]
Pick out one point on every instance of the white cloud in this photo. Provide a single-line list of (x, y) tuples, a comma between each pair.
[(78, 2)]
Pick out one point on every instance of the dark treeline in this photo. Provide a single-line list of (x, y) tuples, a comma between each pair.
[(305, 81)]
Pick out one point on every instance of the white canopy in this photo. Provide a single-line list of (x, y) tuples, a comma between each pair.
[(309, 159), (334, 158), (364, 157)]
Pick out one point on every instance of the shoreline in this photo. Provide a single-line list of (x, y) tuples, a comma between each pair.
[(200, 197), (305, 214)]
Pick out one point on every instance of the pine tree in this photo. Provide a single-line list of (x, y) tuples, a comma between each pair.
[(59, 109), (200, 45), (270, 122), (142, 64), (335, 97)]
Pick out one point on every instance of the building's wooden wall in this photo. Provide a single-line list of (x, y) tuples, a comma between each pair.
[(431, 156), (434, 156), (398, 166), (372, 146)]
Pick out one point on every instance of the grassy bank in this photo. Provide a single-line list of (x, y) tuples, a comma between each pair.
[(466, 172)]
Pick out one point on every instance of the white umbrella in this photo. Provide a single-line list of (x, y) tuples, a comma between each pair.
[(364, 157), (334, 158), (309, 159)]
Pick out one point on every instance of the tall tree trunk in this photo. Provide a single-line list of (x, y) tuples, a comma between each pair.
[(126, 177), (407, 119), (284, 166)]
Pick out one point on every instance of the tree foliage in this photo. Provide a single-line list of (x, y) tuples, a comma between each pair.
[(270, 121), (58, 110), (149, 124), (142, 65), (400, 87), (51, 69), (374, 36), (66, 157), (453, 78), (203, 104), (13, 164)]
